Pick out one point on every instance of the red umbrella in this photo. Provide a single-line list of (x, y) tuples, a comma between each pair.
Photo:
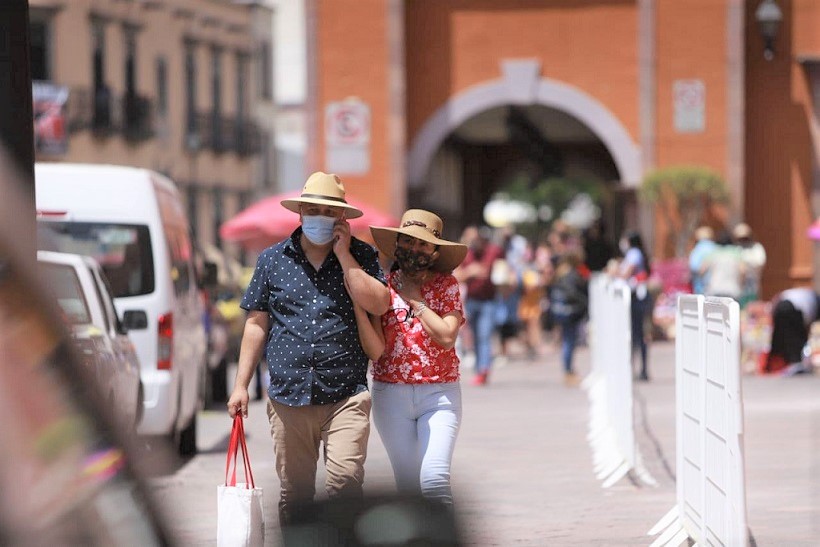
[(266, 222), (814, 230)]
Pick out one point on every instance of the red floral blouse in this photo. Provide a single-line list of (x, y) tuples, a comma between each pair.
[(410, 355)]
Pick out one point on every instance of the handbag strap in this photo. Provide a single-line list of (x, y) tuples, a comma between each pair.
[(237, 440)]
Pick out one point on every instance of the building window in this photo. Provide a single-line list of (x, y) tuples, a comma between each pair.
[(241, 77), (219, 215), (40, 50), (130, 35), (135, 107), (191, 129), (102, 93), (193, 209), (162, 87), (216, 98), (265, 72)]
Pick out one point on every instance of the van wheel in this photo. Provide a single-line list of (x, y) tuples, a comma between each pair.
[(140, 407), (187, 439)]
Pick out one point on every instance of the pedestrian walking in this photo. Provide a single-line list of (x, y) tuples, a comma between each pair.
[(300, 316), (416, 389), (635, 269), (569, 305), (753, 256), (724, 269), (480, 305), (533, 297), (704, 246), (598, 249)]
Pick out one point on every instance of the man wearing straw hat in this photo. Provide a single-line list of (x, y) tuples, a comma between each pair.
[(300, 317)]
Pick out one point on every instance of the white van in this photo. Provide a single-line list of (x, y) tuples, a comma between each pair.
[(133, 223)]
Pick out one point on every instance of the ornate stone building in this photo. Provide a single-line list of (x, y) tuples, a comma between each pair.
[(183, 87)]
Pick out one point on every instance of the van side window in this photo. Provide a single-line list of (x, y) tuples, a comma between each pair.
[(123, 251)]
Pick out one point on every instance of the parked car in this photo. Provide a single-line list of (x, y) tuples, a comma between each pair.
[(133, 222), (69, 475), (87, 308)]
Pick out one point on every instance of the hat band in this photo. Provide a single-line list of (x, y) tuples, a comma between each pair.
[(320, 196), (423, 225)]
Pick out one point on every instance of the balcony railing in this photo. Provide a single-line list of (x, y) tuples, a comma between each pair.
[(134, 118), (138, 118), (227, 135), (106, 114)]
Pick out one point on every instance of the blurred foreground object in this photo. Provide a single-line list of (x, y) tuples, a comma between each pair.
[(376, 520), (67, 475)]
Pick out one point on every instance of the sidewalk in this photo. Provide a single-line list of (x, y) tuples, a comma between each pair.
[(522, 473)]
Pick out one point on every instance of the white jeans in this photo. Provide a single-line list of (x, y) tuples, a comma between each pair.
[(418, 424)]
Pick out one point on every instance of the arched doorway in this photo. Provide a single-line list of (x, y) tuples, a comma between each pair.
[(519, 124)]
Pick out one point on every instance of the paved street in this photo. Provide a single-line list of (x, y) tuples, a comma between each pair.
[(523, 473)]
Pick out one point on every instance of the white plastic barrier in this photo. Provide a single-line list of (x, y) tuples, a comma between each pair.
[(711, 494), (609, 386)]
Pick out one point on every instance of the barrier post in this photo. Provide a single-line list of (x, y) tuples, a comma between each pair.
[(710, 485)]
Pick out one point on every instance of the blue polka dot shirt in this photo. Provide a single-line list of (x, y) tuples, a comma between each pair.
[(313, 351)]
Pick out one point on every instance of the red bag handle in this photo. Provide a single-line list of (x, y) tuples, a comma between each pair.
[(237, 440)]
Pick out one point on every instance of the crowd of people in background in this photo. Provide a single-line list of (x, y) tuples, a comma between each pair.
[(529, 295)]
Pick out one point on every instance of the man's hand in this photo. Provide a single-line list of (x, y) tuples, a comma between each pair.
[(341, 237), (238, 402)]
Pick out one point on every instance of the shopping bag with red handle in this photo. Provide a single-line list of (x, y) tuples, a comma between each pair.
[(240, 511)]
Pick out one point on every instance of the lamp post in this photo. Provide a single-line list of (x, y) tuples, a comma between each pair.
[(769, 17)]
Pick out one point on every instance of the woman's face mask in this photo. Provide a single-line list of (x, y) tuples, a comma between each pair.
[(412, 261), (318, 229)]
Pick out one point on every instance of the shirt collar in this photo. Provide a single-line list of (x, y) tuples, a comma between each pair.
[(294, 242)]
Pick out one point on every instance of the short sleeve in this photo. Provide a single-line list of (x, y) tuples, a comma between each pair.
[(258, 293), (368, 259), (447, 298)]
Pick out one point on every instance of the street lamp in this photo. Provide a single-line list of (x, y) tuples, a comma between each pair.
[(768, 16)]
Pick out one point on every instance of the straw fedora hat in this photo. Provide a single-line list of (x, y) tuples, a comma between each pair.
[(422, 225), (323, 189)]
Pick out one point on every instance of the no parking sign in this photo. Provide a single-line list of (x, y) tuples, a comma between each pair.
[(347, 137)]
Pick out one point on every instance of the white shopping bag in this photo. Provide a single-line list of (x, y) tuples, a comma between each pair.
[(240, 511)]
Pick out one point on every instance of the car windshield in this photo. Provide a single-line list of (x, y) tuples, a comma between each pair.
[(66, 288), (123, 251)]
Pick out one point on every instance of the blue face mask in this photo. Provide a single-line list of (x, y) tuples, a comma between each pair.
[(318, 229)]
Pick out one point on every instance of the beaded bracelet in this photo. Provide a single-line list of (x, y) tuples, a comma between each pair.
[(420, 309)]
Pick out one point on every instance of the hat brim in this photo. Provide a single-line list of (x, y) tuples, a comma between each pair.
[(450, 253), (293, 204)]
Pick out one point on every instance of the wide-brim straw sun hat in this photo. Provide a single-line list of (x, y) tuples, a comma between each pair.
[(425, 226), (323, 189)]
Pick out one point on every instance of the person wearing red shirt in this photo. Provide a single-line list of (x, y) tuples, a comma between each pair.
[(416, 390), (480, 303)]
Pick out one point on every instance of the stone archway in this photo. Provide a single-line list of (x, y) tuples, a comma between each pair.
[(520, 84)]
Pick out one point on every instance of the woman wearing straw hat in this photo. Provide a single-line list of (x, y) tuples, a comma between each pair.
[(300, 317), (416, 391)]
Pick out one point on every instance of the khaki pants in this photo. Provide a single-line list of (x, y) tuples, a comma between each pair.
[(343, 427)]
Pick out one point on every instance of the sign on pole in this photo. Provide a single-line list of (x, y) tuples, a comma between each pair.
[(347, 137)]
